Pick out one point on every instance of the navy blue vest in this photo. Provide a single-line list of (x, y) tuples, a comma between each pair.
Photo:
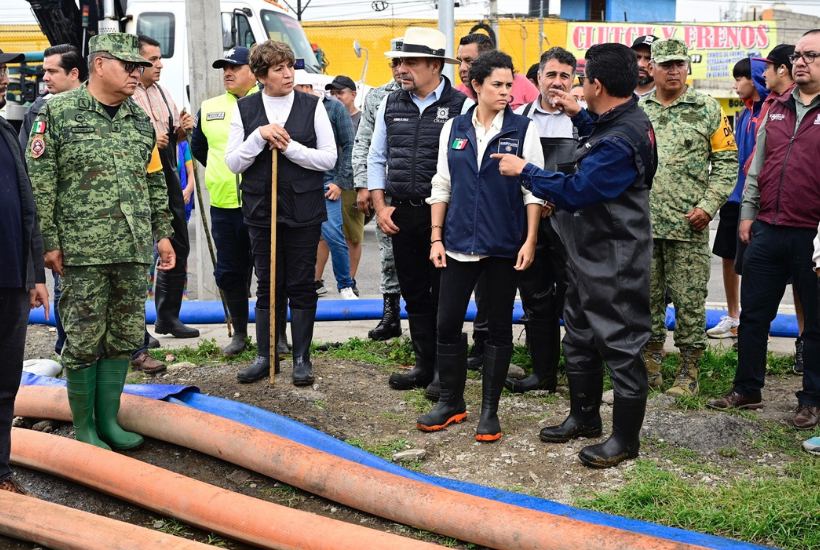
[(412, 140), (300, 199), (486, 215)]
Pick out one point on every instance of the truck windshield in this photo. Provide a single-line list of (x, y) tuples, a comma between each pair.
[(284, 28)]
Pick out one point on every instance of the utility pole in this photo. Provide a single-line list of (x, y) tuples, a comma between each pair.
[(204, 47), (494, 20), (446, 25)]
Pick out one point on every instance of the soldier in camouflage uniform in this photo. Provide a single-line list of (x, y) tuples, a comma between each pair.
[(390, 325), (693, 134), (102, 201)]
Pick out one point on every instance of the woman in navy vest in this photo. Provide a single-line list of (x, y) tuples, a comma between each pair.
[(286, 123), (481, 222)]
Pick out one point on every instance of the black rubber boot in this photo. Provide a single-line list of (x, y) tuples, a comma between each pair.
[(625, 441), (301, 326), (476, 357), (260, 368), (237, 301), (584, 420), (153, 343), (423, 335), (452, 364), (168, 299), (282, 346), (496, 365), (544, 338), (390, 325)]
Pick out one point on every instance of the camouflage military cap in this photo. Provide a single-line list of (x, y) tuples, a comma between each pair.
[(671, 49), (125, 47)]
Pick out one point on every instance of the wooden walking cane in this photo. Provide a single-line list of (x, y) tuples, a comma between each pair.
[(273, 328), (201, 202)]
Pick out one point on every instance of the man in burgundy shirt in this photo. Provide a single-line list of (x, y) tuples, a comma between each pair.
[(473, 45), (779, 217)]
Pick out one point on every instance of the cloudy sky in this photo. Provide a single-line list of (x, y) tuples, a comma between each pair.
[(18, 11)]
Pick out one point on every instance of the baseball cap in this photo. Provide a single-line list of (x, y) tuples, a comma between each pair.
[(671, 49), (235, 56), (123, 46), (11, 57), (341, 82), (646, 40), (779, 56)]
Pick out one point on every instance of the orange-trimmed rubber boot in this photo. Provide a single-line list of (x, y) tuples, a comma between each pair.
[(450, 409), (496, 365)]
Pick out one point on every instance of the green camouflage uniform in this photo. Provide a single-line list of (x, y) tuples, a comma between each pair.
[(98, 204), (389, 279), (693, 134)]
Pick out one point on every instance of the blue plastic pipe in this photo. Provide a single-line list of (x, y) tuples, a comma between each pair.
[(206, 313)]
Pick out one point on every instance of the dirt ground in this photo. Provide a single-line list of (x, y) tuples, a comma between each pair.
[(351, 401)]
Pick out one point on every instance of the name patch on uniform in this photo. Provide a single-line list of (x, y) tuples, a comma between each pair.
[(81, 129), (508, 145), (38, 146), (40, 127), (215, 116), (459, 143), (401, 120)]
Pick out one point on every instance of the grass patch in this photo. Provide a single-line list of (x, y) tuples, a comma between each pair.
[(384, 450), (282, 492), (207, 351), (398, 351), (170, 526), (763, 508)]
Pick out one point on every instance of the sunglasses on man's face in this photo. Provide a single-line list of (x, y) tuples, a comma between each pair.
[(129, 66)]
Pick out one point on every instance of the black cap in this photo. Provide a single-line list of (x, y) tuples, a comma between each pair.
[(647, 41), (235, 56), (779, 56), (11, 57), (340, 83)]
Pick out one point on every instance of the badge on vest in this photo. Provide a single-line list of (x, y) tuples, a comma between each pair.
[(459, 143), (442, 114), (508, 145), (215, 116)]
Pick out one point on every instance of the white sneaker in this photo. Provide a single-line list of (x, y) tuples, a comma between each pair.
[(348, 294), (727, 328)]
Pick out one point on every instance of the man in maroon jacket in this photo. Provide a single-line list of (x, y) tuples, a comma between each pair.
[(779, 217)]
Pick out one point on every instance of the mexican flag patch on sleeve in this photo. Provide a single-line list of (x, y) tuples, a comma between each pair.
[(40, 127)]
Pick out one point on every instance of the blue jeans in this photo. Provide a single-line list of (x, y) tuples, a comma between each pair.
[(335, 239), (58, 346)]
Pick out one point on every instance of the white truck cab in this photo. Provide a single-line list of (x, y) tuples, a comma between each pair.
[(244, 23)]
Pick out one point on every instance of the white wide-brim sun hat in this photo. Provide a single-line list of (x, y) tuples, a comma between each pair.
[(421, 42)]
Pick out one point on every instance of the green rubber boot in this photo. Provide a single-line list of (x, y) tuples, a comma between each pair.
[(110, 381), (82, 391)]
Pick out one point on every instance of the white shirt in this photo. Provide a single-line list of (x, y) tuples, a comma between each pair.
[(441, 185), (553, 125), (816, 256), (242, 152)]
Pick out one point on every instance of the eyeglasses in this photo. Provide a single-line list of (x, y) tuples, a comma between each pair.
[(395, 62), (808, 57), (129, 66)]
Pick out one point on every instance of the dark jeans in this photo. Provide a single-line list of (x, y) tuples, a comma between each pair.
[(457, 282), (234, 260), (776, 253), (58, 346), (295, 264), (418, 278), (14, 310)]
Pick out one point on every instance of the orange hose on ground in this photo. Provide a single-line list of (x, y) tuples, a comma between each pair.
[(450, 513), (230, 514), (63, 528)]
